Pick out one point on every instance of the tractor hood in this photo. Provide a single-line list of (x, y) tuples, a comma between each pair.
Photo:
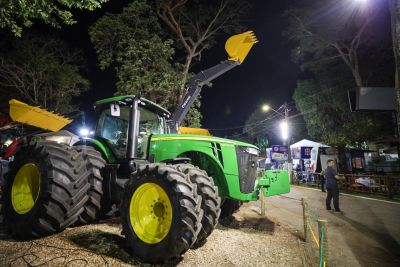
[(193, 137)]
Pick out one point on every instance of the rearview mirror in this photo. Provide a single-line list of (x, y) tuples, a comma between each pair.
[(115, 110)]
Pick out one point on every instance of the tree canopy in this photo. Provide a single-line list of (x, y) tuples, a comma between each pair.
[(258, 129), (41, 71), (331, 31), (16, 15), (338, 55), (131, 43), (143, 53), (195, 26), (324, 103)]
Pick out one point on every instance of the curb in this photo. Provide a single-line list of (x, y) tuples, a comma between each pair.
[(349, 195)]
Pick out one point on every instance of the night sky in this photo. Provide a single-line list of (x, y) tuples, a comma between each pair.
[(266, 76)]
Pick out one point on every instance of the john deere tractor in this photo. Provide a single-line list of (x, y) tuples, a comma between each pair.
[(169, 187)]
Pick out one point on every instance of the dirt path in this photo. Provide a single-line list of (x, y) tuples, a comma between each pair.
[(245, 240), (366, 234)]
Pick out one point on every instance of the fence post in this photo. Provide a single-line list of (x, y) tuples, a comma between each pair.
[(306, 215), (323, 243), (262, 200)]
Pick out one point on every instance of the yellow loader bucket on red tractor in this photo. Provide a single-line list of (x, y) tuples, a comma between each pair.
[(239, 45), (35, 116)]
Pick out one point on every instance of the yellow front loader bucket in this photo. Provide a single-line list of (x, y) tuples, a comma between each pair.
[(35, 116), (239, 45), (189, 130)]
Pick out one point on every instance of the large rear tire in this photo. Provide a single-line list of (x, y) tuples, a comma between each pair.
[(211, 202), (160, 213), (96, 205), (45, 189)]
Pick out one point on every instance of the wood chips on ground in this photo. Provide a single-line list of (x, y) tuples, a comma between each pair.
[(247, 239)]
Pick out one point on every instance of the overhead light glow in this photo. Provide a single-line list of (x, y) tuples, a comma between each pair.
[(285, 130), (84, 132), (265, 108)]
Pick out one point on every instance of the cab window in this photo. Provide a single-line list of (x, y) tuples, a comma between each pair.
[(115, 129)]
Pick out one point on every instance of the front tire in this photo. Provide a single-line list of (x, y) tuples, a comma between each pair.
[(160, 213), (45, 189), (211, 202), (97, 205)]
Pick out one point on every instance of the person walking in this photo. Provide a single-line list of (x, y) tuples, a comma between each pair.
[(332, 187)]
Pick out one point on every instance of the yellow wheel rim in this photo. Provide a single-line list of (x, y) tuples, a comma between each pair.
[(150, 213), (25, 189)]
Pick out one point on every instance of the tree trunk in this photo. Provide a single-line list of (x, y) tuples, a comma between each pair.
[(351, 60), (394, 6), (185, 75), (357, 77), (355, 68)]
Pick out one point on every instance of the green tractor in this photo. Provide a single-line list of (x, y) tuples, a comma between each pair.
[(169, 187)]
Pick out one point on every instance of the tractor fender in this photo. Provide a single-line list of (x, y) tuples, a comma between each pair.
[(175, 161), (106, 152), (211, 166)]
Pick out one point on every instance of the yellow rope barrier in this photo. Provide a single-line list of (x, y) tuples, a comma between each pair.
[(312, 233), (309, 226), (315, 238)]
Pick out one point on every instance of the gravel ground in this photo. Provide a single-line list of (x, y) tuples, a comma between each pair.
[(244, 240)]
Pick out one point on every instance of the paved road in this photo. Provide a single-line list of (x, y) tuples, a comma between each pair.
[(366, 234)]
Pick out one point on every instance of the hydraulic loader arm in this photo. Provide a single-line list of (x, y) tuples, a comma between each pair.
[(194, 87), (237, 47)]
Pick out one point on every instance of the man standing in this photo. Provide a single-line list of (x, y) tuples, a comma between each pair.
[(332, 187)]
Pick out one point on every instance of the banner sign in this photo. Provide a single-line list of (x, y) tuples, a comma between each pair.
[(301, 152), (279, 153), (296, 152), (306, 152)]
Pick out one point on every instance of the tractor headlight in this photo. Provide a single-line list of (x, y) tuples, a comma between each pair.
[(252, 151), (84, 132)]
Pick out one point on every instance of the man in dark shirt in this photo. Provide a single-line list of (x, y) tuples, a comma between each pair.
[(332, 187)]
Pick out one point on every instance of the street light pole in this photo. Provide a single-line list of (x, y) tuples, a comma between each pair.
[(287, 140), (284, 128), (286, 118)]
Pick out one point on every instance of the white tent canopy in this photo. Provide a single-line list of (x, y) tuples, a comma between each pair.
[(308, 143)]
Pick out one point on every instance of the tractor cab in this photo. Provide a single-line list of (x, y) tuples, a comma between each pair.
[(118, 114)]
